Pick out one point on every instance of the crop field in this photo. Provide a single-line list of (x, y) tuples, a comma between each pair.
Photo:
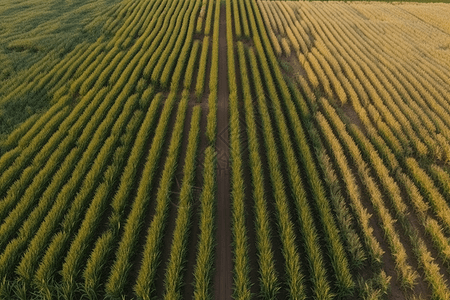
[(207, 149)]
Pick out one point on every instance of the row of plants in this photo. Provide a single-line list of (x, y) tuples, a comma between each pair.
[(179, 59), (161, 71), (424, 139), (420, 207), (201, 77), (193, 55), (204, 269), (83, 158), (336, 250), (78, 187), (19, 205), (179, 246), (118, 275), (102, 247), (294, 276), (169, 22), (211, 123), (408, 276), (239, 231), (269, 282), (155, 232)]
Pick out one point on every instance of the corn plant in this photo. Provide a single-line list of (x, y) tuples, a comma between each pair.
[(269, 282), (155, 232), (200, 84), (203, 270), (121, 265)]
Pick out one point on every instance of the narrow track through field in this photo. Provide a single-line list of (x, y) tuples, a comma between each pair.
[(223, 264)]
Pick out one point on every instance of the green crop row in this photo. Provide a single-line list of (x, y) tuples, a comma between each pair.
[(157, 6), (25, 168), (150, 37), (269, 283), (237, 22), (336, 251), (63, 75), (102, 247), (45, 151), (209, 17), (88, 83), (121, 265), (128, 62), (189, 69), (335, 247), (241, 262), (268, 19), (178, 251), (243, 17), (321, 287), (23, 154), (151, 253), (286, 227), (84, 77), (406, 272), (211, 125), (72, 262), (177, 38), (92, 55), (93, 135), (320, 283), (121, 19), (143, 22), (362, 216), (52, 256), (344, 218), (214, 73), (13, 88), (102, 79), (118, 15), (171, 24), (199, 27), (38, 84), (136, 21), (431, 226), (27, 234), (76, 63), (430, 191), (51, 78), (133, 14), (200, 85), (154, 35), (203, 270), (52, 259), (14, 137), (179, 56), (32, 192)]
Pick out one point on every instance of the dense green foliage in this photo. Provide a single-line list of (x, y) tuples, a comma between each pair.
[(333, 151)]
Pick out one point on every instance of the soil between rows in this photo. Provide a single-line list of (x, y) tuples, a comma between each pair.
[(223, 261)]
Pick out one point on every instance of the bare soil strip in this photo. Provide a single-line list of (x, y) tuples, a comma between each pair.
[(223, 261)]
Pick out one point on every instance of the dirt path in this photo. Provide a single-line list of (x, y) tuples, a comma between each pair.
[(223, 278)]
